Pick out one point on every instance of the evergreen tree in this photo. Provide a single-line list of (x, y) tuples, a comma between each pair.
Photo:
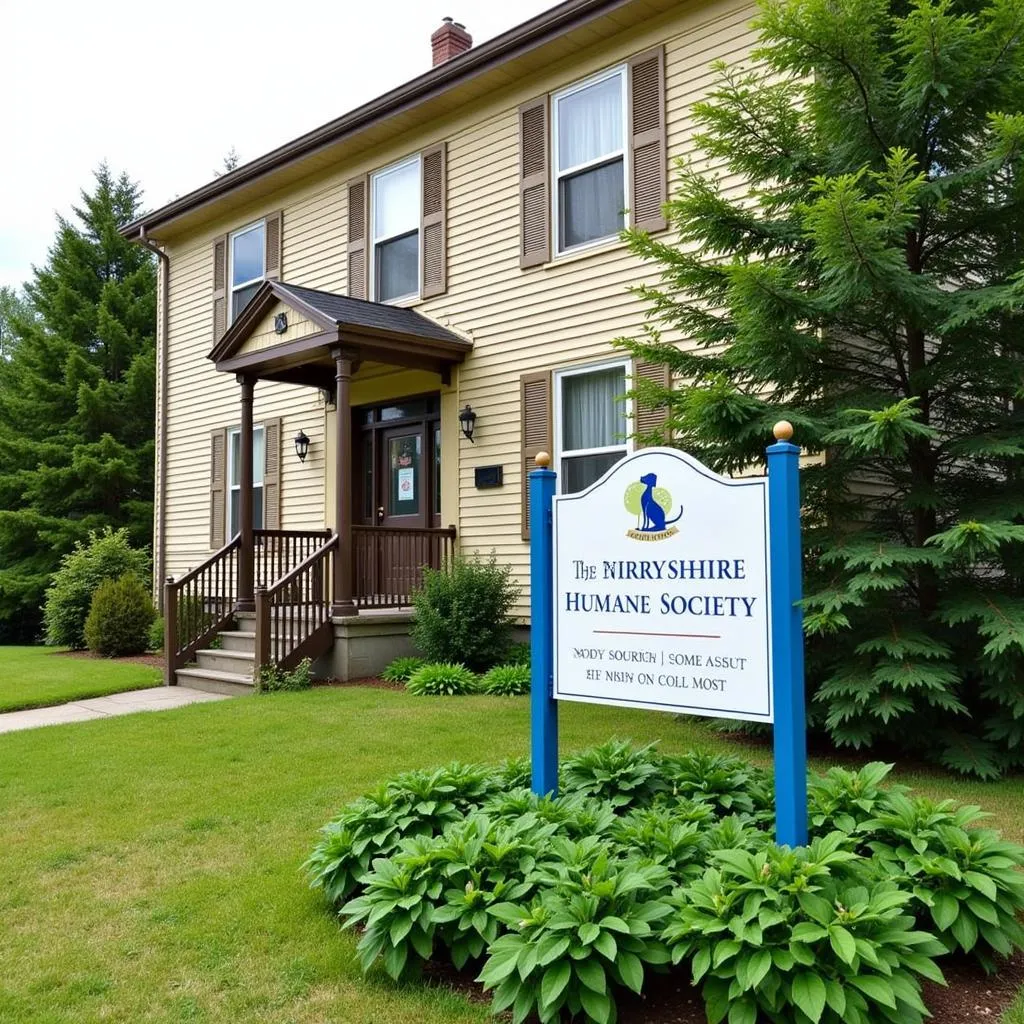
[(76, 400), (857, 269)]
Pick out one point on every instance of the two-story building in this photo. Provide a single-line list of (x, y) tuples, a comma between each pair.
[(382, 322)]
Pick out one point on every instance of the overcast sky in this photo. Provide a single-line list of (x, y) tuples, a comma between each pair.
[(164, 90)]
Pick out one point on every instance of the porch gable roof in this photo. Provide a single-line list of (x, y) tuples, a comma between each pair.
[(371, 331)]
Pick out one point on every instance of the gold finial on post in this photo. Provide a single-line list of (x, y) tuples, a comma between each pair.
[(783, 430), (543, 460)]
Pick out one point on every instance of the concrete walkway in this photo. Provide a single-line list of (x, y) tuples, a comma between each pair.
[(155, 698)]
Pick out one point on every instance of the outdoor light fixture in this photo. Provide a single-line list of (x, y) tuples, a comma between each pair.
[(301, 445), (281, 323), (467, 420)]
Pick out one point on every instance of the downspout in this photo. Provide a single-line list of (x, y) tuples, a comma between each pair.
[(159, 509)]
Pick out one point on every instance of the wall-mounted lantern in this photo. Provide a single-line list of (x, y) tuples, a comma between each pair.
[(467, 420), (301, 445)]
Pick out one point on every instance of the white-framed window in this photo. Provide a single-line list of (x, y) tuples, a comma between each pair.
[(247, 265), (395, 231), (591, 432), (259, 462), (588, 164)]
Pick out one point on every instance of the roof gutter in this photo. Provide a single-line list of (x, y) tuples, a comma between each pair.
[(516, 41), (160, 500)]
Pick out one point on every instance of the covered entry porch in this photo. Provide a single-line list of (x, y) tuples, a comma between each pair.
[(295, 586)]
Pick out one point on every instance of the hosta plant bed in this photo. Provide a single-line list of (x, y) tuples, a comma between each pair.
[(651, 889)]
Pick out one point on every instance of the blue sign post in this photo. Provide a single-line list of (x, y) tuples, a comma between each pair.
[(673, 629), (543, 708), (790, 729)]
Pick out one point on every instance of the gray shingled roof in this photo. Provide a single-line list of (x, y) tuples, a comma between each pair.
[(373, 316)]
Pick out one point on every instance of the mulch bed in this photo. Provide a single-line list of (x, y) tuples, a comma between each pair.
[(972, 995), (153, 660)]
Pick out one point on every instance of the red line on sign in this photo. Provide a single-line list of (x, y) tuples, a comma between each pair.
[(689, 636)]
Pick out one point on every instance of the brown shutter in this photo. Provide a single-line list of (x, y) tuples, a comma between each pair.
[(645, 419), (272, 475), (535, 414), (220, 288), (218, 487), (358, 202), (534, 203), (272, 237), (649, 185), (433, 244)]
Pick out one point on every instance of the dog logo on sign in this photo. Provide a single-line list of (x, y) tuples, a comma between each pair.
[(651, 505)]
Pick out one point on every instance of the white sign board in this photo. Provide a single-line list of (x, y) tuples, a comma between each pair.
[(662, 590)]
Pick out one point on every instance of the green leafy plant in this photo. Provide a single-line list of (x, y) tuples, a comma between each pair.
[(271, 679), (119, 618), (589, 931), (659, 836), (464, 612), (966, 881), (442, 679), (793, 936), (846, 800), (399, 670), (107, 555), (616, 771), (506, 681), (727, 783)]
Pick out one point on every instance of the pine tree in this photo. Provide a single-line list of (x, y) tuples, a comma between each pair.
[(76, 400), (855, 267)]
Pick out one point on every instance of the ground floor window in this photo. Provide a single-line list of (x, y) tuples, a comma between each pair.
[(259, 462), (591, 432)]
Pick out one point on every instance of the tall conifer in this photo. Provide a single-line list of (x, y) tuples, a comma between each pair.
[(76, 400), (847, 254)]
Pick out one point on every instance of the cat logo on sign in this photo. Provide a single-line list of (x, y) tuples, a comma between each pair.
[(651, 505)]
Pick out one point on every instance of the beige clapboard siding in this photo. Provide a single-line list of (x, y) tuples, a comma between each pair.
[(566, 312)]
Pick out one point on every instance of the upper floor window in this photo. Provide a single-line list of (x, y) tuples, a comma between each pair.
[(591, 434), (395, 232), (589, 160), (248, 265)]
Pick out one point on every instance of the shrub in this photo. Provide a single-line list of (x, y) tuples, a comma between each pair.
[(506, 681), (119, 618), (442, 679), (517, 654), (463, 613), (156, 634), (400, 669), (845, 800), (105, 556), (793, 935), (271, 679), (728, 783)]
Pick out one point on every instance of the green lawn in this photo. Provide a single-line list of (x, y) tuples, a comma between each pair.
[(150, 866), (38, 677)]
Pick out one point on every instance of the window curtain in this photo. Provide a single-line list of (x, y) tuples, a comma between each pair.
[(591, 205), (593, 413), (590, 123)]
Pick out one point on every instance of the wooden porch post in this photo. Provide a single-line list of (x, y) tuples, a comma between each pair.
[(343, 603), (247, 550)]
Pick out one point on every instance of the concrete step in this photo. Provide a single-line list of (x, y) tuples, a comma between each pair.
[(238, 640), (235, 662), (210, 681)]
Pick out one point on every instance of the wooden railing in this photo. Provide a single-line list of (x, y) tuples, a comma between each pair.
[(388, 562), (277, 552), (198, 605), (293, 615)]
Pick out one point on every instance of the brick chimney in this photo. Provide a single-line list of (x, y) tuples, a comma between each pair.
[(449, 41)]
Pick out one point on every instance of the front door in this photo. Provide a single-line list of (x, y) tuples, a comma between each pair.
[(398, 467), (403, 502)]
